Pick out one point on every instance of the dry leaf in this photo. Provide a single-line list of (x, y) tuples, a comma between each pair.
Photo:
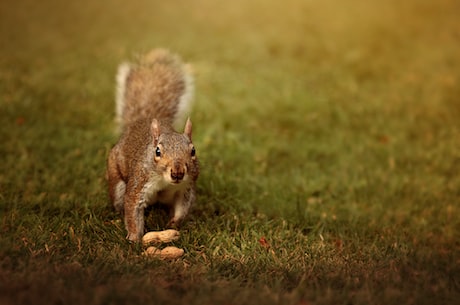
[(264, 243)]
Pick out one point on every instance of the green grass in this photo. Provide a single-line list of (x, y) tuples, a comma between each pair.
[(330, 129)]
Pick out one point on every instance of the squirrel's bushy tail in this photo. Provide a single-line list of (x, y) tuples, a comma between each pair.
[(158, 86)]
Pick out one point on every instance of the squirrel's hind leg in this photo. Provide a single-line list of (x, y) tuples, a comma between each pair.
[(117, 187), (119, 196)]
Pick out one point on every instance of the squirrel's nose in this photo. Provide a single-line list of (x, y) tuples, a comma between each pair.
[(177, 173), (177, 176)]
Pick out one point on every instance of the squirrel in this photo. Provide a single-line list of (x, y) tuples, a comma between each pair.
[(152, 162)]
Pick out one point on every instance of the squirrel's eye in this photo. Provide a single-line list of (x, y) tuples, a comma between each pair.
[(157, 152), (193, 152)]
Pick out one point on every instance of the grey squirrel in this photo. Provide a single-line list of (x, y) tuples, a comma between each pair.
[(151, 161)]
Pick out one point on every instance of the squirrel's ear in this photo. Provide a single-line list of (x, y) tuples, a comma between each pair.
[(155, 129), (188, 129)]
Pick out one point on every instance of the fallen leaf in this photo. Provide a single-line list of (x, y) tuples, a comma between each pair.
[(264, 243), (20, 121)]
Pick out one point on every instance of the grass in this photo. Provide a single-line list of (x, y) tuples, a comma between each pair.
[(330, 130)]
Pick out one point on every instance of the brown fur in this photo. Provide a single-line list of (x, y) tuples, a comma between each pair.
[(137, 176)]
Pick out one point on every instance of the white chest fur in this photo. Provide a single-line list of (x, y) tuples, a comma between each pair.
[(157, 189)]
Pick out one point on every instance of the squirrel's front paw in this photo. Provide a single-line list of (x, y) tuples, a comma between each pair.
[(174, 223), (134, 237)]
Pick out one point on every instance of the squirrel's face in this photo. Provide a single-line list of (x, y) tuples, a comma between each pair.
[(175, 156)]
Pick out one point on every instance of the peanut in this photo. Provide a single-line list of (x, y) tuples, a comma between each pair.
[(166, 253), (159, 237)]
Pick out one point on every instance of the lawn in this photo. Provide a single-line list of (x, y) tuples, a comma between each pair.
[(328, 135)]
